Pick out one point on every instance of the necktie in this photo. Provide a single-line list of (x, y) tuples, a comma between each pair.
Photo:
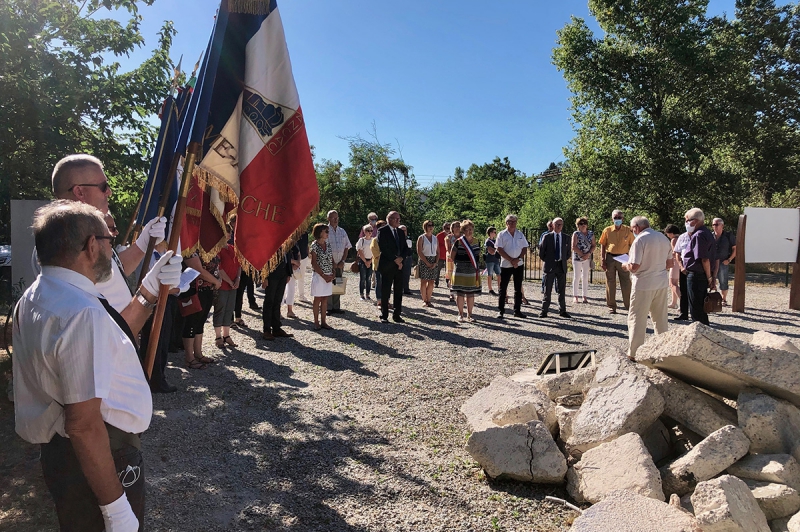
[(558, 247), (396, 238)]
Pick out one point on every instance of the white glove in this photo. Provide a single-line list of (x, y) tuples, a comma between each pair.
[(155, 228), (119, 517), (166, 271)]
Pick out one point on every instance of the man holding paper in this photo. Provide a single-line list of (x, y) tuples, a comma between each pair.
[(616, 240), (649, 262)]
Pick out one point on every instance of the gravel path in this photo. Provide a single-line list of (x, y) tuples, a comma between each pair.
[(356, 429)]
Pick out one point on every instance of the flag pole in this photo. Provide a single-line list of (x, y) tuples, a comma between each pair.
[(175, 232), (132, 221)]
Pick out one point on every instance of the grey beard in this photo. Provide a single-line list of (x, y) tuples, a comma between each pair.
[(102, 268)]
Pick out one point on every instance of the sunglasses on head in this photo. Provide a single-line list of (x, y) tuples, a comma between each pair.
[(104, 186)]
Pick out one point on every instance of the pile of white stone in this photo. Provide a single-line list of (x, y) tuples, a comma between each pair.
[(702, 420)]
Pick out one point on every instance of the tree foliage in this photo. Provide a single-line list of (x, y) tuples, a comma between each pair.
[(64, 92)]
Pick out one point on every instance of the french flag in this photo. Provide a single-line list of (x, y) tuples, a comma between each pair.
[(256, 158)]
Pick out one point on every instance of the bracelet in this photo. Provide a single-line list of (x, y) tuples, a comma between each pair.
[(144, 302)]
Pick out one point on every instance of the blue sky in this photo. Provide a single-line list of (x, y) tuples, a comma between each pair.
[(449, 82)]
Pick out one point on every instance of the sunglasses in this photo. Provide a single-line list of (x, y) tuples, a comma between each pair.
[(582, 223), (368, 231), (98, 237), (104, 186)]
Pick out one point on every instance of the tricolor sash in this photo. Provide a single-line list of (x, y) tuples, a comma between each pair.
[(471, 256)]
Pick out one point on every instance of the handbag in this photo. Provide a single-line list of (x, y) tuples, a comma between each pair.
[(190, 305), (415, 272), (354, 267), (713, 302)]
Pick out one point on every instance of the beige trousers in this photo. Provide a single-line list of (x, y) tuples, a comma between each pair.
[(614, 268), (644, 302)]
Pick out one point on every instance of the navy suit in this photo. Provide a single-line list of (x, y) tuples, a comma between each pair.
[(391, 275), (555, 268)]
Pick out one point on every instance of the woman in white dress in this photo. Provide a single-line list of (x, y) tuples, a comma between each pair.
[(321, 255)]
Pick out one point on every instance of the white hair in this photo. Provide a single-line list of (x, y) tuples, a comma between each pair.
[(640, 221), (696, 214), (720, 220), (616, 212), (511, 217)]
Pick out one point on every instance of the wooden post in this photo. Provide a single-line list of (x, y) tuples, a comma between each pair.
[(740, 278), (174, 235), (794, 291)]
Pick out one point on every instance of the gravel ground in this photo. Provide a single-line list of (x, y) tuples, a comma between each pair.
[(356, 429)]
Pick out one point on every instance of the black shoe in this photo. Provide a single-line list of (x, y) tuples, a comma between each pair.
[(398, 319), (492, 292), (408, 293), (564, 314), (543, 314), (500, 316), (682, 317), (280, 333), (254, 306), (518, 314), (164, 387), (336, 311)]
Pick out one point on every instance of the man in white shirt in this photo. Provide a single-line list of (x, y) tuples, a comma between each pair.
[(512, 246), (340, 244), (79, 388), (80, 177), (649, 261)]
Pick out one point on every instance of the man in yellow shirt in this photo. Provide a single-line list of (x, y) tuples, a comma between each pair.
[(616, 240)]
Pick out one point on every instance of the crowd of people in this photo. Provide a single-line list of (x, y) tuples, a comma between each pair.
[(80, 331)]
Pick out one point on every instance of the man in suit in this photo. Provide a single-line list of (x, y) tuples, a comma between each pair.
[(394, 250), (554, 251)]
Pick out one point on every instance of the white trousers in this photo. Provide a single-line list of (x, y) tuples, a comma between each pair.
[(300, 277), (644, 302), (580, 271), (288, 292)]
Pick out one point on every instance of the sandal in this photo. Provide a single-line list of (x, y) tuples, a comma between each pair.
[(291, 315), (195, 364), (229, 341), (239, 323), (219, 342), (326, 326), (317, 327), (205, 360)]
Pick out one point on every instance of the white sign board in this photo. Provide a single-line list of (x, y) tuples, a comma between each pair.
[(773, 235), (22, 275)]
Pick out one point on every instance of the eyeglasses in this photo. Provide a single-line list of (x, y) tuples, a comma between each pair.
[(582, 223), (617, 217), (368, 231), (715, 225), (104, 186), (113, 229), (98, 237)]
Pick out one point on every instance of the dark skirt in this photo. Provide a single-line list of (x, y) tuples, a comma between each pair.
[(425, 273)]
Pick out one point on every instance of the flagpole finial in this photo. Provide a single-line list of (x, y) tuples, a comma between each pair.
[(250, 7)]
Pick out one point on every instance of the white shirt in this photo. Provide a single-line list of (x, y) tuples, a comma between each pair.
[(651, 250), (68, 349), (363, 245), (115, 290), (430, 248), (511, 244), (339, 242), (682, 244)]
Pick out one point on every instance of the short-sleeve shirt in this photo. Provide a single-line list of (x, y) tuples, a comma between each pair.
[(650, 250), (488, 257), (511, 244), (67, 350), (440, 236), (229, 264), (724, 245), (363, 244), (617, 241), (701, 246), (682, 244), (339, 243)]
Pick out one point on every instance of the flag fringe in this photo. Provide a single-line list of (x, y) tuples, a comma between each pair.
[(279, 255), (249, 7), (208, 179)]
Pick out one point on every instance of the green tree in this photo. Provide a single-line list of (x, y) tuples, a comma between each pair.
[(64, 93)]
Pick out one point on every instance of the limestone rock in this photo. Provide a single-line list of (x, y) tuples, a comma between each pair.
[(706, 460), (625, 511), (726, 504), (524, 452), (786, 524), (772, 425), (629, 404), (794, 523), (505, 402), (657, 440), (554, 386), (690, 407), (775, 500), (766, 339), (704, 357), (621, 464), (565, 415), (780, 468)]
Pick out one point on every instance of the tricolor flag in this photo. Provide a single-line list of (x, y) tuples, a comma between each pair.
[(250, 124)]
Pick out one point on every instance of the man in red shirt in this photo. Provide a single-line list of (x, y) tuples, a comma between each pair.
[(442, 253)]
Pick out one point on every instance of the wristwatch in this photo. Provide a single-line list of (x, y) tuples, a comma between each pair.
[(144, 302)]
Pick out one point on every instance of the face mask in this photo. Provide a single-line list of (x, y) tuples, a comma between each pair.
[(617, 222), (689, 227)]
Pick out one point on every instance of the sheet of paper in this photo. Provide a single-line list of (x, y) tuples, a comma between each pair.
[(187, 276), (622, 258)]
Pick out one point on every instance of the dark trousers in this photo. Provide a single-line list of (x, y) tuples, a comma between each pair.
[(441, 264), (195, 323), (335, 302), (245, 283), (697, 286), (559, 276), (684, 303), (378, 284), (364, 278), (273, 296), (407, 265), (505, 277), (76, 504), (162, 352), (391, 280)]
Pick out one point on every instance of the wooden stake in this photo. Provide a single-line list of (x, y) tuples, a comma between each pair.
[(794, 291), (740, 278)]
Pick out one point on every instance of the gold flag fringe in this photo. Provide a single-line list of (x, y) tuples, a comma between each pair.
[(279, 255), (208, 179), (249, 7)]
